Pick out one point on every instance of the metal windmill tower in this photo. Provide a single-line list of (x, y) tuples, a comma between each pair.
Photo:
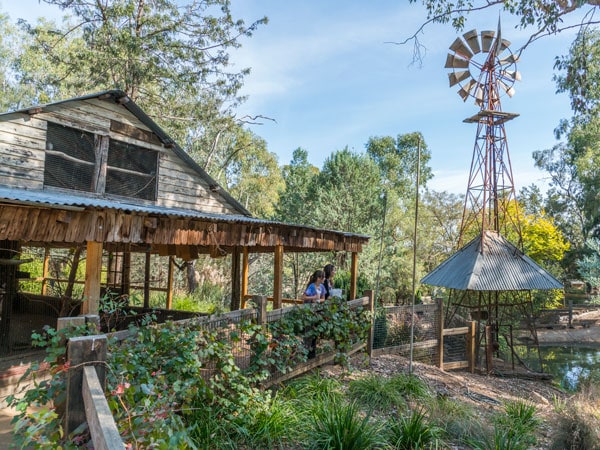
[(489, 279), (485, 69)]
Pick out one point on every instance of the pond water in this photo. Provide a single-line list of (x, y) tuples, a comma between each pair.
[(568, 364)]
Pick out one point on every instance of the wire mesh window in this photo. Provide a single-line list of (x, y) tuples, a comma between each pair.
[(131, 171), (70, 158)]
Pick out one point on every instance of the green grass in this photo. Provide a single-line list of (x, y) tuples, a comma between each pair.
[(413, 431), (374, 392), (410, 386)]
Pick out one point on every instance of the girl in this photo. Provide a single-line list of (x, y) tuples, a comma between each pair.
[(315, 291)]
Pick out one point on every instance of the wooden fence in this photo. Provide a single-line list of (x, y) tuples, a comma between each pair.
[(87, 355), (86, 402)]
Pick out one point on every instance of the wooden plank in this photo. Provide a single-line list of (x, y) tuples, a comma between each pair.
[(93, 269), (22, 140), (14, 159), (130, 140), (113, 111), (456, 365), (75, 122), (455, 331), (70, 111), (103, 429), (147, 137), (431, 343), (31, 129), (440, 333)]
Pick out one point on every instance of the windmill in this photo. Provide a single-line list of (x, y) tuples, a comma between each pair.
[(489, 279), (484, 68)]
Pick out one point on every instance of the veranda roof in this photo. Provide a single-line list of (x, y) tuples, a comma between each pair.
[(491, 264)]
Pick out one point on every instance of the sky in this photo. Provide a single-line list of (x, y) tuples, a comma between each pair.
[(329, 75)]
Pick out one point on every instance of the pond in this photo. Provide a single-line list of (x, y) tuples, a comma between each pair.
[(568, 364)]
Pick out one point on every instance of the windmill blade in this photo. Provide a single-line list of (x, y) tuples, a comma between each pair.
[(514, 75), (479, 97), (456, 62), (465, 91), (510, 59), (472, 39), (510, 91), (459, 47), (487, 37), (503, 45), (457, 77)]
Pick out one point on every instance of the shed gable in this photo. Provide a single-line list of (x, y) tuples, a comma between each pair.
[(97, 146)]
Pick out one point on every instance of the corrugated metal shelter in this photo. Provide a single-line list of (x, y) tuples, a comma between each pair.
[(491, 263)]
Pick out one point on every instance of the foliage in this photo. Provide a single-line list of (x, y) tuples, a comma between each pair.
[(313, 387), (337, 425), (589, 265), (410, 386), (413, 432), (42, 427), (374, 392), (281, 345), (543, 18)]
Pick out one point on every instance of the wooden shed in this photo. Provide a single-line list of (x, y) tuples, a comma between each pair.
[(96, 173)]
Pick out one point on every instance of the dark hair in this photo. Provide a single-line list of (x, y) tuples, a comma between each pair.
[(314, 276), (328, 269)]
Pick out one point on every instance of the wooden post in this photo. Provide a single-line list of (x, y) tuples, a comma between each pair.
[(147, 280), (471, 334), (169, 304), (126, 275), (440, 330), (489, 349), (371, 295), (45, 270), (81, 351), (353, 276), (245, 269), (278, 277), (236, 289), (93, 270), (261, 304)]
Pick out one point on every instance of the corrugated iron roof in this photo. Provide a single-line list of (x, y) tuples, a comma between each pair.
[(497, 266), (77, 202)]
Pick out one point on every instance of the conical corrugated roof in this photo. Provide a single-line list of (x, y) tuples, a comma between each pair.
[(497, 266)]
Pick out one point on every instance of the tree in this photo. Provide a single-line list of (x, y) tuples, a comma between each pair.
[(589, 265), (544, 17)]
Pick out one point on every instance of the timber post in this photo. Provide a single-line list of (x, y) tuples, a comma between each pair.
[(471, 334), (261, 309), (278, 277), (82, 351), (371, 295), (93, 270), (353, 276), (440, 313)]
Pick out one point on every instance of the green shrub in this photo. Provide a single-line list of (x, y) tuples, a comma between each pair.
[(337, 425), (410, 385), (412, 432), (375, 392)]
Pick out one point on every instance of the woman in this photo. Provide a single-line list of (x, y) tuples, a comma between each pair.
[(315, 291), (329, 271)]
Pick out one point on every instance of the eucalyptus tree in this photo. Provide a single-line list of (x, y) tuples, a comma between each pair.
[(397, 161), (574, 164), (542, 18), (170, 57)]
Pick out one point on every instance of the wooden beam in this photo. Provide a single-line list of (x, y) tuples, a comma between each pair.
[(353, 275), (45, 268), (93, 270), (147, 280), (440, 314), (245, 271), (236, 290), (278, 277), (170, 282)]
